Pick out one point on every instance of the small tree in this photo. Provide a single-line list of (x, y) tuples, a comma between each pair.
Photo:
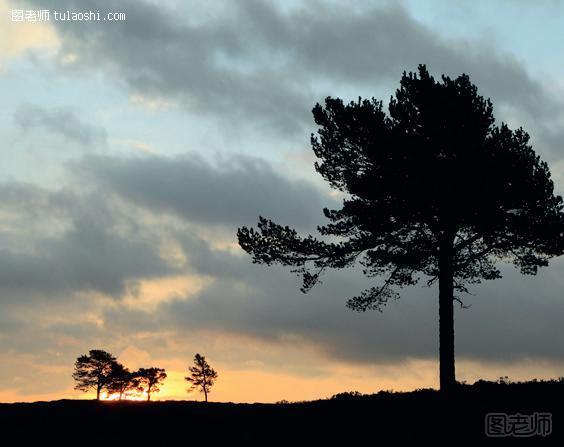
[(121, 380), (202, 375), (150, 378), (92, 371)]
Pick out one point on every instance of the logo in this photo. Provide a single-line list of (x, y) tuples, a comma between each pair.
[(501, 425)]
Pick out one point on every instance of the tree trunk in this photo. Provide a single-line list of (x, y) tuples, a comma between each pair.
[(446, 314), (206, 394), (98, 392)]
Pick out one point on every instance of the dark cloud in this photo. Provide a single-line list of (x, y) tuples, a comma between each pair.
[(33, 202), (61, 121), (255, 63), (232, 192), (88, 253)]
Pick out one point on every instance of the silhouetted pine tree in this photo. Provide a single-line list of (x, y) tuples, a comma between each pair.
[(93, 371), (202, 375), (432, 188)]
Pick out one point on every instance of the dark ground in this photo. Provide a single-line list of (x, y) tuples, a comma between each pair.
[(377, 419)]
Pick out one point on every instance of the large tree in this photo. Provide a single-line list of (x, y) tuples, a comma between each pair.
[(150, 379), (202, 375), (93, 371), (433, 188)]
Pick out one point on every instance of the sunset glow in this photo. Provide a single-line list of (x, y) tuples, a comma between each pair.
[(127, 396)]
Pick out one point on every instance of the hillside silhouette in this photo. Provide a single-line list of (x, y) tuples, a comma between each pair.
[(418, 416)]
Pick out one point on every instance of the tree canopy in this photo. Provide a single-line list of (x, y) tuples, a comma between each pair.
[(93, 371)]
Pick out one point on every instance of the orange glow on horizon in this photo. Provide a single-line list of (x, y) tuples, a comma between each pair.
[(259, 382), (137, 396)]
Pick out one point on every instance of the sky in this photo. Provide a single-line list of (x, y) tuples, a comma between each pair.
[(131, 151)]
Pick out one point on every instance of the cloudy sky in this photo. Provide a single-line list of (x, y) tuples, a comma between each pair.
[(131, 151)]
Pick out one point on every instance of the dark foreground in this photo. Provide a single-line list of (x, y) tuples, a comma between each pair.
[(417, 416)]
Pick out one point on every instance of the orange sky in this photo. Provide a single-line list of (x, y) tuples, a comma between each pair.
[(259, 383)]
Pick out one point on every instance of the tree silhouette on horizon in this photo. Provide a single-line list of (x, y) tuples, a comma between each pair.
[(93, 371), (202, 375), (432, 188), (121, 380), (151, 378)]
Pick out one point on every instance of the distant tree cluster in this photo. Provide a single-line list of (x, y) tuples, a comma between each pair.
[(99, 370)]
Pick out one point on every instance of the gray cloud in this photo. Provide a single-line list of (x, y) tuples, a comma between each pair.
[(232, 192), (255, 63), (88, 252), (60, 121)]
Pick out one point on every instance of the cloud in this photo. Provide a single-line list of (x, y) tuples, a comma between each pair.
[(257, 63), (60, 121), (90, 251), (232, 192)]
